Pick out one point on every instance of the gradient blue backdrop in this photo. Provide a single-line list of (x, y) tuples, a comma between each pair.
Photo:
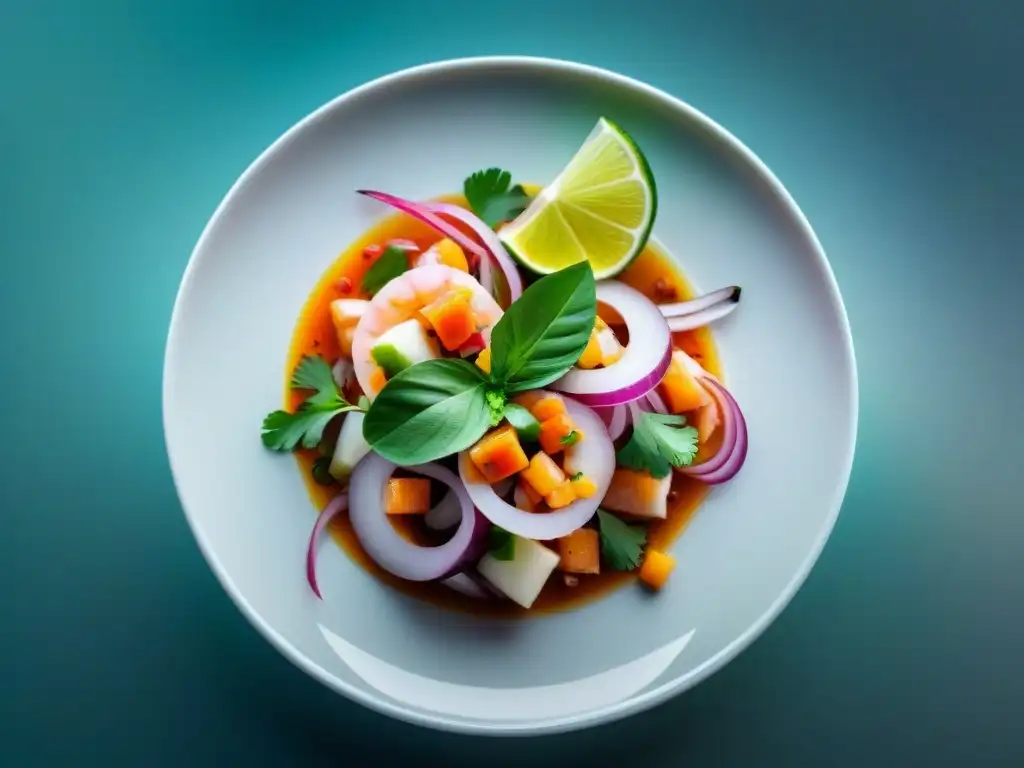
[(896, 124)]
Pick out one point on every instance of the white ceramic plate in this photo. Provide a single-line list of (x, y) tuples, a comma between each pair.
[(787, 352)]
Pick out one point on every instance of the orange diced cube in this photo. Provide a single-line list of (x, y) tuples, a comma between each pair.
[(547, 407), (407, 496), (680, 388), (451, 317), (562, 495), (498, 454), (543, 474), (580, 551), (378, 379), (592, 355), (656, 568), (556, 429), (451, 255), (584, 487)]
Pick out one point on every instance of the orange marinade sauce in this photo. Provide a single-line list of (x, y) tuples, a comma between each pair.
[(652, 273)]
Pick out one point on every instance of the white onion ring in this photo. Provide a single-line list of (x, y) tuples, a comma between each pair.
[(383, 543), (729, 295), (702, 318), (643, 364), (732, 454), (490, 240), (594, 455), (338, 504), (446, 514)]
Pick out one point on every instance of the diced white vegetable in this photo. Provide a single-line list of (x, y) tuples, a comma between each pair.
[(347, 312), (351, 446), (521, 578), (404, 345), (638, 494)]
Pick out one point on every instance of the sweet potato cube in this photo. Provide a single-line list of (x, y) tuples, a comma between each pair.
[(407, 496), (656, 568), (542, 473), (556, 429), (498, 454), (580, 551), (562, 495), (547, 407)]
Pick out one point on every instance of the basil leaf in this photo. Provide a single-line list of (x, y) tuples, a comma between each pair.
[(524, 422), (544, 333), (429, 410)]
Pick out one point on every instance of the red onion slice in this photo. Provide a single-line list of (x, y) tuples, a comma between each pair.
[(338, 504), (730, 457), (428, 217), (594, 455), (616, 419), (446, 514), (729, 295), (490, 240), (701, 318), (643, 364), (389, 549)]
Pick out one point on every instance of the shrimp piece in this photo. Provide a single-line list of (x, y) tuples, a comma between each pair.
[(400, 300)]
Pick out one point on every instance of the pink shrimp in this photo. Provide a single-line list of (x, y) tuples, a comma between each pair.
[(400, 300)]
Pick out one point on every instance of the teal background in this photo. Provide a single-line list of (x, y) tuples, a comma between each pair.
[(896, 125)]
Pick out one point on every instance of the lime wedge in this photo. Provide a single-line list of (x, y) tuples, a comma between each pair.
[(600, 209)]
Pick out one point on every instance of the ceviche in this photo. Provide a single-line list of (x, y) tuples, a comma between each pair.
[(510, 399)]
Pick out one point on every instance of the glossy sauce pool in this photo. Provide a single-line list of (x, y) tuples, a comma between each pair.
[(651, 273)]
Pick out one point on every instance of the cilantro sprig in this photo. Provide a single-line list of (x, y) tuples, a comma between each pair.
[(492, 196), (622, 545), (285, 431), (659, 442)]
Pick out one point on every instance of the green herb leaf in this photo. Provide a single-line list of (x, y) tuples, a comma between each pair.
[(571, 439), (524, 423), (659, 442), (389, 265), (501, 544), (320, 471), (284, 431), (492, 198), (543, 334), (577, 476), (428, 411), (622, 546)]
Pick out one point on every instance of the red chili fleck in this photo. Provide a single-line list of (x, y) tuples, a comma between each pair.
[(345, 285), (372, 251), (665, 291)]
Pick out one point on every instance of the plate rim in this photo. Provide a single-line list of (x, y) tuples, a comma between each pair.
[(634, 704)]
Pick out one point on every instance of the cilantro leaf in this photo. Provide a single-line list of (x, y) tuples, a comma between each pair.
[(659, 442), (622, 546), (389, 265), (493, 198), (501, 544), (284, 431), (496, 404)]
